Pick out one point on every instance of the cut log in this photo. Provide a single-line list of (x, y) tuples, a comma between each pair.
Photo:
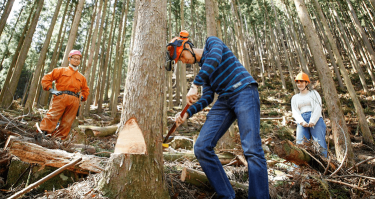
[(199, 179), (225, 158), (288, 151), (33, 153), (96, 131)]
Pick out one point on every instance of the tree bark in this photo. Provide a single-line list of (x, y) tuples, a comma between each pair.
[(73, 31), (145, 81), (362, 32), (8, 99), (339, 128), (5, 89), (5, 15), (106, 61), (96, 60), (45, 94), (367, 135), (277, 57), (210, 17), (40, 64), (33, 153)]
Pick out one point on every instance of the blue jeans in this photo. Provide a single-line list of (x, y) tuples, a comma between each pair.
[(243, 106), (317, 132)]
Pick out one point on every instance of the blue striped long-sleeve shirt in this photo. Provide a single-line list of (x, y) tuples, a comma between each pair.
[(220, 72)]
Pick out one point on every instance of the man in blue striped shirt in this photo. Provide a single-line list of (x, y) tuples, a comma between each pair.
[(221, 72)]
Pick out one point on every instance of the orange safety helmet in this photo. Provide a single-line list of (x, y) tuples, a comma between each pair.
[(177, 45), (303, 77)]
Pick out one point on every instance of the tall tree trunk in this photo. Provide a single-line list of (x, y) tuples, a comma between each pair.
[(350, 51), (96, 53), (142, 173), (362, 32), (45, 94), (73, 32), (5, 89), (106, 63), (276, 53), (5, 15), (210, 17), (183, 66), (297, 44), (281, 35), (8, 99), (339, 128), (6, 51), (119, 61), (332, 42), (40, 64)]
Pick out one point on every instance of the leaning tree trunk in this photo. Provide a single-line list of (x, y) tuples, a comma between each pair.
[(135, 175), (367, 136), (8, 98), (40, 64), (5, 89), (5, 15), (73, 31), (339, 128)]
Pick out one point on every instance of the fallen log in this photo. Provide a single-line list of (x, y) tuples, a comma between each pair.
[(198, 178), (96, 131), (288, 151), (33, 153), (225, 158)]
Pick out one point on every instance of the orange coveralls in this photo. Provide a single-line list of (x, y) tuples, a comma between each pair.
[(63, 106)]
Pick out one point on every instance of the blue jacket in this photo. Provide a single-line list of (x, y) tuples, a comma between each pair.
[(221, 72)]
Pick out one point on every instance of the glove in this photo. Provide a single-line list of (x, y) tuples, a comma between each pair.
[(81, 98), (179, 120), (192, 95), (55, 92)]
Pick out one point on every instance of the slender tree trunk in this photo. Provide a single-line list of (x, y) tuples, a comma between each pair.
[(6, 52), (73, 31), (8, 99), (362, 32), (210, 17), (350, 51), (119, 61), (281, 35), (40, 64), (45, 94), (183, 66), (5, 15), (339, 128), (275, 44), (96, 53), (5, 89), (106, 63), (297, 44), (142, 173)]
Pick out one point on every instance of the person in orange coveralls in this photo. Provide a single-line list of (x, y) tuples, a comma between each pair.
[(69, 82)]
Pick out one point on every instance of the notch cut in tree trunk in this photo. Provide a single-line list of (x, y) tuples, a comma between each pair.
[(130, 139)]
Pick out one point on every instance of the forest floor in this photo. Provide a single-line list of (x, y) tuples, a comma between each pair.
[(286, 179)]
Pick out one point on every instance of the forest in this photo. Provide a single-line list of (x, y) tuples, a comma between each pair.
[(133, 99)]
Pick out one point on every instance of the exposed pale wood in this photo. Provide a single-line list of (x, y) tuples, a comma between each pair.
[(130, 139), (98, 131), (33, 153)]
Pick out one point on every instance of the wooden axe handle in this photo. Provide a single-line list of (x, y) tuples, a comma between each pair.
[(174, 125)]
